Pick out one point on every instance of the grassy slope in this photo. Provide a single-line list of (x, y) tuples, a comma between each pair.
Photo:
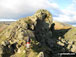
[(60, 25), (71, 35), (2, 27), (4, 24)]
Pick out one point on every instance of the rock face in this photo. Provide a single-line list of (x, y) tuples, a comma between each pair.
[(60, 25), (37, 27)]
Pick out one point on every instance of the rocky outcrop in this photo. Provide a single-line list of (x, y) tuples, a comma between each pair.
[(37, 27)]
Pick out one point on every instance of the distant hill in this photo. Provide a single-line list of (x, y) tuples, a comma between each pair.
[(60, 25), (4, 24)]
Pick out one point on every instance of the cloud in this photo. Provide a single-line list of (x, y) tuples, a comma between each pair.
[(7, 20), (15, 9), (67, 15), (20, 8)]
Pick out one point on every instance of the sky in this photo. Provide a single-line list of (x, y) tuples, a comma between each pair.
[(61, 10)]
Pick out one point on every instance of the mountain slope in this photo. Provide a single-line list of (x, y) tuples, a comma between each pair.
[(60, 25)]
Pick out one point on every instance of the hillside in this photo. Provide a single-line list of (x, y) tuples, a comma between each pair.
[(60, 25), (4, 24), (47, 38), (2, 27)]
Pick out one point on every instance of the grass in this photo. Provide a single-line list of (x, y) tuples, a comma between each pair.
[(71, 35)]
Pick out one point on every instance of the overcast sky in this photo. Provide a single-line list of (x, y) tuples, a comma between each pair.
[(62, 10)]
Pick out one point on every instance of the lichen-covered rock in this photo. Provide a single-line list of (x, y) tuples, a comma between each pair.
[(36, 27), (1, 50), (41, 54), (44, 15), (43, 25)]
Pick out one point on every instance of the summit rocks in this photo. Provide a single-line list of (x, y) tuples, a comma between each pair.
[(36, 27)]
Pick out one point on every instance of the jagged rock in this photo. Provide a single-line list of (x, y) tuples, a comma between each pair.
[(41, 54), (60, 43), (1, 50), (37, 27), (73, 49), (3, 43), (19, 51)]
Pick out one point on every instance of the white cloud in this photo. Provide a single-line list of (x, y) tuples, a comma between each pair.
[(18, 8), (74, 1), (7, 20), (68, 14), (21, 8)]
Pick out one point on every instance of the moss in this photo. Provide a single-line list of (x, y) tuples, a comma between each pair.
[(2, 38), (23, 55)]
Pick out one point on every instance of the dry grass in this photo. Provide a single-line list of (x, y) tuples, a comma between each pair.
[(71, 35), (59, 26), (2, 27)]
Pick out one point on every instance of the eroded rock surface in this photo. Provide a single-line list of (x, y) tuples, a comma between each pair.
[(37, 27)]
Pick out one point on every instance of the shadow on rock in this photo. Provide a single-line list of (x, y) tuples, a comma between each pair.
[(60, 44), (9, 50)]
